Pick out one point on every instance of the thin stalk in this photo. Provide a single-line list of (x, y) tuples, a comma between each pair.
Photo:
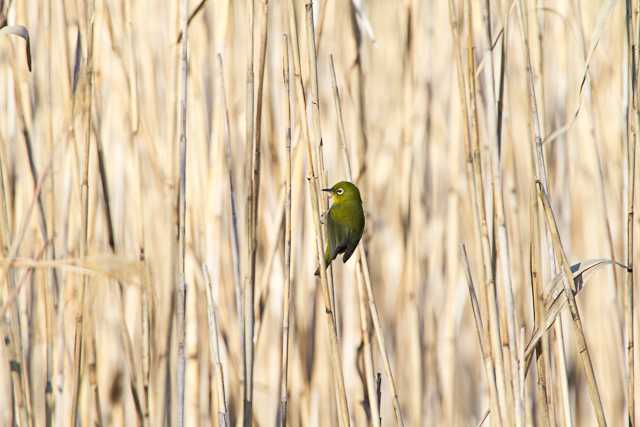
[(92, 367), (489, 276), (358, 88), (13, 337), (146, 320), (214, 347), (181, 280), (581, 343), (539, 312), (334, 347), (235, 245), (365, 332), (539, 163), (258, 131), (561, 363), (364, 318), (503, 251), (288, 289), (456, 24), (380, 336), (52, 291), (539, 168), (633, 121), (249, 280), (84, 213), (484, 347)]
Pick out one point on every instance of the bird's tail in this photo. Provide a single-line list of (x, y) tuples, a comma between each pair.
[(327, 261)]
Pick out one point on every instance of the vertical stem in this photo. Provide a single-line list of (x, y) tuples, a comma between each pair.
[(539, 312), (632, 117), (489, 276), (247, 303), (235, 245), (84, 213), (288, 292), (51, 294), (214, 347), (181, 282), (362, 300), (502, 242), (489, 358), (581, 343), (336, 359), (482, 337)]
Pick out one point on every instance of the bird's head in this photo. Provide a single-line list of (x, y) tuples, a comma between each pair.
[(344, 191)]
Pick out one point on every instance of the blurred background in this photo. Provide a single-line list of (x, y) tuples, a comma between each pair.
[(442, 102)]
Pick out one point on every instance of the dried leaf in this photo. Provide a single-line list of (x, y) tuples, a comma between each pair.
[(106, 266), (555, 299), (22, 32)]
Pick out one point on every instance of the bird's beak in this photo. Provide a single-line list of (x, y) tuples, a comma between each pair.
[(327, 190)]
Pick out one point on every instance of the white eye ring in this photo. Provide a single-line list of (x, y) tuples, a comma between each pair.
[(339, 191)]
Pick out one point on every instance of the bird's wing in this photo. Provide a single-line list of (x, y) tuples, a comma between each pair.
[(353, 237), (352, 244), (338, 238)]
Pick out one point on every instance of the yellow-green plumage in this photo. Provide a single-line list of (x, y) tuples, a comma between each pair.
[(344, 222)]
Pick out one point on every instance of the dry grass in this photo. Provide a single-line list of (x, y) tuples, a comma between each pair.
[(160, 215)]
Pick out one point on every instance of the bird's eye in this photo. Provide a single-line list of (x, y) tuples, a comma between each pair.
[(339, 191)]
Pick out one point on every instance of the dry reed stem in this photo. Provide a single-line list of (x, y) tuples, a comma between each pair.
[(146, 320), (13, 338), (455, 25), (235, 240), (562, 367), (258, 137), (503, 252), (575, 315), (539, 314), (313, 134), (633, 122), (375, 317), (283, 385), (92, 372), (539, 166), (364, 318), (491, 298), (363, 260), (365, 332), (249, 279), (47, 219), (84, 215), (181, 279), (214, 348), (484, 347)]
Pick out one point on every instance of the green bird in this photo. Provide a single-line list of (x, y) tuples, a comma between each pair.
[(344, 222)]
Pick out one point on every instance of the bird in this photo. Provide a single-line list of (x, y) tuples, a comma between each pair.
[(344, 222)]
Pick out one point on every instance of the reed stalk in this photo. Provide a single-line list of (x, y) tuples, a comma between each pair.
[(288, 289), (181, 279)]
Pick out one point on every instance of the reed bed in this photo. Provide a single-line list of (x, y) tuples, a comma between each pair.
[(161, 217)]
